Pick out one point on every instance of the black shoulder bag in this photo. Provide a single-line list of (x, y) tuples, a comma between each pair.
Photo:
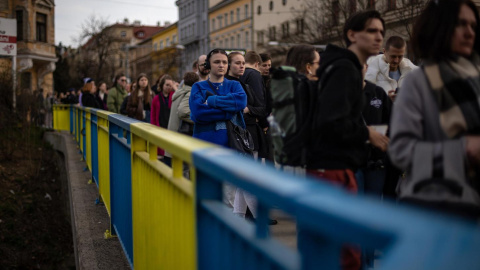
[(239, 139)]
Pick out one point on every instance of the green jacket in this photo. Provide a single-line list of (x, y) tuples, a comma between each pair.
[(116, 95)]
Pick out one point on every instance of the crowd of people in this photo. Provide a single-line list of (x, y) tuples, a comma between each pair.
[(380, 125)]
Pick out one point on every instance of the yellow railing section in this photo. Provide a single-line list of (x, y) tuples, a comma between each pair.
[(88, 130), (104, 158), (61, 117), (163, 202)]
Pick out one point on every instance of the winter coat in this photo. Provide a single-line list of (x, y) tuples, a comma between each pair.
[(116, 95), (378, 72)]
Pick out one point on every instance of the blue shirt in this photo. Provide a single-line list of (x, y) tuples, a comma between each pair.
[(395, 74)]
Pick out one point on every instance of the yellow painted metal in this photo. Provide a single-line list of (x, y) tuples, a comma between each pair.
[(61, 117), (163, 201), (88, 134), (104, 158)]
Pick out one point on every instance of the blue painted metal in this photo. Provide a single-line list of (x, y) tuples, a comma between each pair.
[(121, 181), (84, 134), (327, 218), (94, 145)]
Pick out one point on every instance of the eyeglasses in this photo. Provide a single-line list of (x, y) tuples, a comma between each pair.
[(123, 80)]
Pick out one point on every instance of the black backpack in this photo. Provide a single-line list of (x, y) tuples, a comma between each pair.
[(292, 109)]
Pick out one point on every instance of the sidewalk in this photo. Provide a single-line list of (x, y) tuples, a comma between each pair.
[(89, 221)]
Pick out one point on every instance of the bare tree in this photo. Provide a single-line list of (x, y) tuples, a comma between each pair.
[(404, 13), (97, 54)]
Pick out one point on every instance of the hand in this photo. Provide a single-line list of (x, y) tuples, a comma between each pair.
[(246, 110), (473, 149), (377, 139), (392, 95)]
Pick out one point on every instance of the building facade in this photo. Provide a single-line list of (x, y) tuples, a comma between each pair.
[(231, 24), (193, 30), (35, 42), (166, 54)]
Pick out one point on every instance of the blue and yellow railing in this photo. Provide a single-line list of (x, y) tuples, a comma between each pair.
[(165, 221)]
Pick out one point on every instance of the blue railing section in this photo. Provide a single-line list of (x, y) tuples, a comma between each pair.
[(120, 180), (84, 134), (327, 218), (94, 147)]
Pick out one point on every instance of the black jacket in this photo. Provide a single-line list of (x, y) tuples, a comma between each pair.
[(89, 100), (256, 111), (339, 134)]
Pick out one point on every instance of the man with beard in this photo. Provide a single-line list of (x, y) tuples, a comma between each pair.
[(202, 71)]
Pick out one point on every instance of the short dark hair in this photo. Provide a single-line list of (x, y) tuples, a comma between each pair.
[(299, 56), (434, 28), (358, 22), (251, 57), (195, 64), (265, 57), (396, 42), (190, 78)]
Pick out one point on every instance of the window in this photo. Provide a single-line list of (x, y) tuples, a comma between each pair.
[(219, 21), (167, 42), (221, 43), (141, 34), (238, 41), (238, 14), (370, 4), (260, 37), (246, 40), (336, 11), (226, 19), (174, 39), (231, 17), (273, 33), (232, 41), (204, 29), (300, 26), (391, 4), (213, 25), (259, 10), (123, 33), (271, 5), (155, 46), (19, 15), (284, 2), (285, 29), (226, 43), (161, 45), (41, 27), (25, 80), (246, 11), (352, 6)]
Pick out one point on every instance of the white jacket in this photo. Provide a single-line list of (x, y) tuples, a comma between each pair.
[(378, 70)]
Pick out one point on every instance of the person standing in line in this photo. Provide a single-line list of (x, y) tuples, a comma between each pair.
[(210, 111), (88, 95), (49, 101), (202, 71), (117, 93), (102, 95), (161, 106), (140, 100), (339, 136), (265, 71), (435, 125), (389, 69)]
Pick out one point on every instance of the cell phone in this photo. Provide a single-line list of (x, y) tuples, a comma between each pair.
[(396, 90)]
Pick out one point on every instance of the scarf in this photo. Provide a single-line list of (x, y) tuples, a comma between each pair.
[(455, 85)]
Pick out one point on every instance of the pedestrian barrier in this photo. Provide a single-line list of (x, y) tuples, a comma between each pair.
[(166, 221), (61, 117)]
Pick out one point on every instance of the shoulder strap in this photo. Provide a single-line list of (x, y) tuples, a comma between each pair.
[(213, 87)]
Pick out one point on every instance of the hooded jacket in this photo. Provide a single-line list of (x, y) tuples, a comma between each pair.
[(339, 134), (378, 72), (116, 95)]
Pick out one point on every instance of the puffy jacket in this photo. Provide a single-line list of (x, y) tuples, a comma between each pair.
[(378, 70)]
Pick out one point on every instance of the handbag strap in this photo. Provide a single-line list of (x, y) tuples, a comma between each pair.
[(211, 86)]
